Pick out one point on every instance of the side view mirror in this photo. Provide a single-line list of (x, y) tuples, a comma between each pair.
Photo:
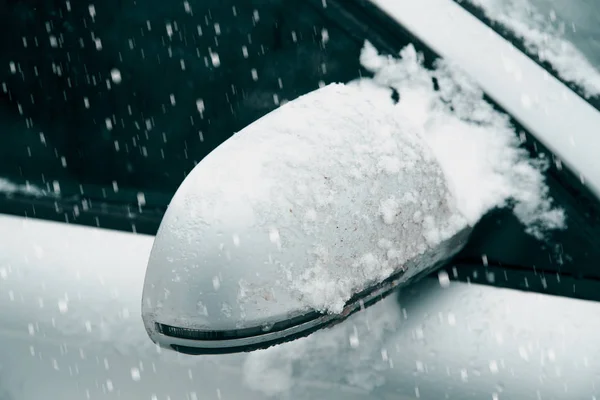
[(317, 210)]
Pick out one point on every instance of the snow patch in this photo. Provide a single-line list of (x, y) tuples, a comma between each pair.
[(389, 209), (6, 186)]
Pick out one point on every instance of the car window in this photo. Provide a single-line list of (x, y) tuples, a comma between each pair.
[(114, 103), (562, 35), (133, 96)]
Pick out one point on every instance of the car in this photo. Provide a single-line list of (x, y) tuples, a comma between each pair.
[(71, 294)]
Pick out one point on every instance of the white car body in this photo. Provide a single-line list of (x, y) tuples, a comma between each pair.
[(72, 329), (70, 323)]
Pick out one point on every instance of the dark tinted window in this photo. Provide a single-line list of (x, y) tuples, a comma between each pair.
[(131, 95)]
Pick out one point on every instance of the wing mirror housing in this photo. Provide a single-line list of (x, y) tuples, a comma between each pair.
[(315, 211)]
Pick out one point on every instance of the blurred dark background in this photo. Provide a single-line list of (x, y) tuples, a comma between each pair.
[(191, 74)]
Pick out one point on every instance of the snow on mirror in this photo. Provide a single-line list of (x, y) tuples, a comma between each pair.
[(273, 233), (325, 205)]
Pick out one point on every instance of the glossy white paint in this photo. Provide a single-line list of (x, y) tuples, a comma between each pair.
[(464, 341), (558, 117)]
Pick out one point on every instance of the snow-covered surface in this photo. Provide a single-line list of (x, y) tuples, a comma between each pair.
[(312, 203), (475, 145), (70, 329), (557, 116), (544, 35)]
